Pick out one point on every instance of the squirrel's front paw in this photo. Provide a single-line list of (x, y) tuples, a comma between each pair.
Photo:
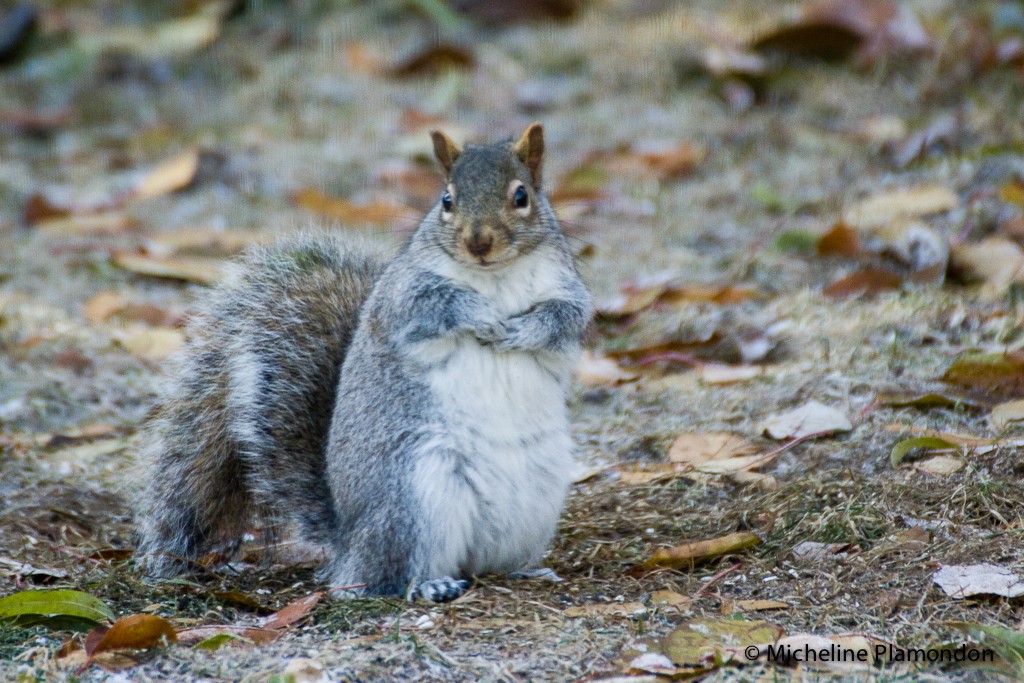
[(493, 332), (441, 590)]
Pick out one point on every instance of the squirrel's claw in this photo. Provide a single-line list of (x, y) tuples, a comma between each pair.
[(441, 590)]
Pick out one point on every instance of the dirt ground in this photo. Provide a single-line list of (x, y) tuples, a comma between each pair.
[(667, 153)]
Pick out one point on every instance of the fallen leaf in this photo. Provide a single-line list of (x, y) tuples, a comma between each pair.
[(198, 634), (376, 213), (714, 642), (594, 369), (699, 551), (206, 242), (498, 12), (292, 612), (55, 609), (172, 175), (964, 581), (1013, 192), (134, 632), (853, 652), (169, 38), (103, 306), (840, 240), (105, 222), (38, 208), (927, 399), (929, 443), (433, 59), (205, 271), (611, 609), (939, 465), (997, 262), (886, 207), (697, 448), (1008, 643), (810, 418), (151, 343), (833, 29), (665, 598), (720, 373), (670, 161), (1006, 414), (866, 281), (996, 375)]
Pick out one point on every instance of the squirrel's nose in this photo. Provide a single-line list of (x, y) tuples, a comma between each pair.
[(479, 245)]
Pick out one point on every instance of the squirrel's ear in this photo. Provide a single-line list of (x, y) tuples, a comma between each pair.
[(445, 149), (530, 150)]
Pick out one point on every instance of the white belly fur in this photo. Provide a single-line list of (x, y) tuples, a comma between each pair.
[(493, 477)]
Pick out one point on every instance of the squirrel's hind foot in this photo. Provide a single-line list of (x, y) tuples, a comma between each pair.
[(440, 590)]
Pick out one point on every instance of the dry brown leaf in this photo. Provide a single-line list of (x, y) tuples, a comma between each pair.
[(433, 59), (134, 632), (163, 39), (103, 306), (699, 551), (810, 418), (595, 370), (964, 581), (939, 465), (610, 609), (840, 240), (499, 12), (639, 476), (205, 271), (665, 598), (107, 222), (38, 208), (997, 262), (376, 213), (698, 448), (151, 343), (172, 175), (206, 241), (886, 207), (867, 281), (1005, 414), (292, 612), (996, 375)]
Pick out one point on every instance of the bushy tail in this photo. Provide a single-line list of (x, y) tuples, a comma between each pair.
[(239, 439)]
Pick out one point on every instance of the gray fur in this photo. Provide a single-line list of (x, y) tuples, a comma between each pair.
[(292, 411)]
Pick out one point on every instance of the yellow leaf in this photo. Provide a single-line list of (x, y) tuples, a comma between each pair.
[(1007, 413), (595, 369), (151, 343), (699, 551), (205, 271), (880, 209), (170, 176)]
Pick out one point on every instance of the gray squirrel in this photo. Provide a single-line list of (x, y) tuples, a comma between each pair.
[(408, 415)]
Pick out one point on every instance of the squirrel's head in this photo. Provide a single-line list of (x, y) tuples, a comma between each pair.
[(491, 210)]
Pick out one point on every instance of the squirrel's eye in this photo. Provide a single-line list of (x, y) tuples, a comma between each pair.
[(520, 199), (446, 201)]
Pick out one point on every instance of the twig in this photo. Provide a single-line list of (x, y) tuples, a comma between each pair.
[(703, 589)]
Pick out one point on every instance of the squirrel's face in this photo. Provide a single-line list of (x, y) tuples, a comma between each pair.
[(489, 209)]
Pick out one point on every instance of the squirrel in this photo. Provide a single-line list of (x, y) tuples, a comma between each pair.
[(407, 414)]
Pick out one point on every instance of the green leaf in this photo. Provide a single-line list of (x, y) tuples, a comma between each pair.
[(801, 241), (219, 640), (1007, 643), (59, 609), (900, 450)]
